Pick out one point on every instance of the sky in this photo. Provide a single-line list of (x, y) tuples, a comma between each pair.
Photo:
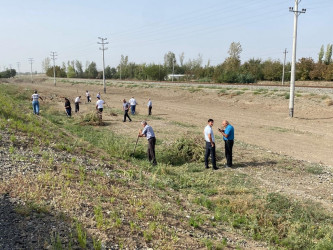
[(146, 30)]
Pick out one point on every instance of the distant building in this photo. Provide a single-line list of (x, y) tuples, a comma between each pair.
[(175, 77)]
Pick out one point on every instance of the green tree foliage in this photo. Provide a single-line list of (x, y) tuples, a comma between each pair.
[(272, 70), (318, 71), (328, 74), (155, 72), (110, 72), (321, 54), (79, 69), (60, 72), (71, 72), (304, 67), (8, 73), (192, 68), (253, 67), (169, 61), (328, 54), (91, 71)]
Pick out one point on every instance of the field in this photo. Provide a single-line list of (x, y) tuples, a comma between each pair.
[(278, 195)]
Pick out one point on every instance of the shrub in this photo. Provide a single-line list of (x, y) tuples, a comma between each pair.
[(184, 150)]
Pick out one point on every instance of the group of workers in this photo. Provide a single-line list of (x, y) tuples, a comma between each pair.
[(148, 132)]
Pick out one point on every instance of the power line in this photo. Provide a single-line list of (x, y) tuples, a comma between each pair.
[(31, 60), (293, 62), (103, 49), (54, 55)]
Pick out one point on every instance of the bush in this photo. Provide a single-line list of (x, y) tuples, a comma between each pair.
[(184, 150)]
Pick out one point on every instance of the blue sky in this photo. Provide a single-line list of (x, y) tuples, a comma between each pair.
[(145, 30)]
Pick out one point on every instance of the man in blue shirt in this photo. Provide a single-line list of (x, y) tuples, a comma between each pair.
[(228, 137), (148, 132)]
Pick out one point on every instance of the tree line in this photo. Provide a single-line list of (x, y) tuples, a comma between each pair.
[(232, 70)]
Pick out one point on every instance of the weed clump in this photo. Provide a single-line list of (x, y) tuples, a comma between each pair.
[(184, 150), (92, 118)]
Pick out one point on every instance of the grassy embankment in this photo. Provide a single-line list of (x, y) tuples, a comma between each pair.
[(128, 196)]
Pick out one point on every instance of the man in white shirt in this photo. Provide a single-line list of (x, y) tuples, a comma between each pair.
[(148, 132), (77, 104), (99, 104), (150, 106), (88, 96), (133, 103), (210, 144)]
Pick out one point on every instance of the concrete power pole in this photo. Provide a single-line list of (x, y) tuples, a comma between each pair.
[(31, 60), (284, 64), (293, 61), (54, 55), (18, 67), (103, 49), (173, 68)]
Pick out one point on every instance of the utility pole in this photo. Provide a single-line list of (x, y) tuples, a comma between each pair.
[(18, 67), (103, 49), (54, 55), (120, 70), (284, 64), (293, 61), (173, 67), (31, 60)]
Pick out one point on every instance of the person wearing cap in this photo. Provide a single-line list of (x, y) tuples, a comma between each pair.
[(68, 107), (210, 144), (35, 102), (77, 104), (126, 106), (133, 103), (150, 106), (148, 132), (228, 136)]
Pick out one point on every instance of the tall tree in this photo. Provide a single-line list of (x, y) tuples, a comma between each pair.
[(321, 54), (79, 69), (169, 60), (46, 64), (235, 50), (328, 55), (181, 59), (91, 71)]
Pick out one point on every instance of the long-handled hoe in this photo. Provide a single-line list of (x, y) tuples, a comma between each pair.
[(135, 145)]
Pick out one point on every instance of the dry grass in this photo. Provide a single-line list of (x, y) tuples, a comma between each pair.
[(329, 102)]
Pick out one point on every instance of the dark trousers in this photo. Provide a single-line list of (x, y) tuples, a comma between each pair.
[(151, 150), (88, 99), (149, 110), (126, 115), (77, 107), (133, 109), (210, 151), (228, 151), (69, 112)]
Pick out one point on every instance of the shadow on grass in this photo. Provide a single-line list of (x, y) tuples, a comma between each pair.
[(313, 119), (254, 164)]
